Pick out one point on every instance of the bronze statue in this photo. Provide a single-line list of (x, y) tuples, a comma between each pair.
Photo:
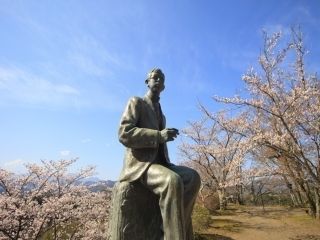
[(143, 131)]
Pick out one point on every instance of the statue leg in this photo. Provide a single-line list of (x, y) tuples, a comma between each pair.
[(191, 182), (168, 185)]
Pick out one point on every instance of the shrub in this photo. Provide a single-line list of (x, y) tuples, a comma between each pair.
[(201, 218)]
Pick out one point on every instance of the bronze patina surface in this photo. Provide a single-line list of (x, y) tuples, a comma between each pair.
[(170, 188)]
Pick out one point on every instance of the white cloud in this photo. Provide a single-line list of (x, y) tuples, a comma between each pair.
[(87, 65), (21, 86), (66, 89), (93, 58), (16, 165), (65, 153), (86, 140), (274, 28), (13, 163), (81, 75)]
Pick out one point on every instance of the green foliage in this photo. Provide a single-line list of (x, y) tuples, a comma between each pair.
[(201, 218), (200, 237)]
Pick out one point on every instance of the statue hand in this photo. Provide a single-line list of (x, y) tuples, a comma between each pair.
[(168, 134)]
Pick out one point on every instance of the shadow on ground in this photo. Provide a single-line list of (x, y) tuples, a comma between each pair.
[(211, 237), (306, 237), (227, 224), (267, 212), (272, 213)]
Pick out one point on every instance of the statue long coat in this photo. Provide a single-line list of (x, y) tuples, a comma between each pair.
[(139, 132)]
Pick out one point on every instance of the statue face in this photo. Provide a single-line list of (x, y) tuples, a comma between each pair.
[(156, 83)]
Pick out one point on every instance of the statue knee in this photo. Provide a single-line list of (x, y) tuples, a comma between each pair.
[(174, 181), (196, 180)]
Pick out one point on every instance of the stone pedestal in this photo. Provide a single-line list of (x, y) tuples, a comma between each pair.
[(135, 213)]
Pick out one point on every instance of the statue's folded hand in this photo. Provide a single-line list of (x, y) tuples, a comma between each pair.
[(168, 134)]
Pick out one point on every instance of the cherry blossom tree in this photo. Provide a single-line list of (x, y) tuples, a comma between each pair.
[(49, 202), (276, 122), (284, 113), (216, 149)]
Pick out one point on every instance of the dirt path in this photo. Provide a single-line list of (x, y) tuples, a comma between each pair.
[(274, 223)]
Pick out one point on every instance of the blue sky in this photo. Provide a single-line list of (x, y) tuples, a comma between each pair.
[(67, 68)]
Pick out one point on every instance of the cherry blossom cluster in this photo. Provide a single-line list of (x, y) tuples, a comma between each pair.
[(276, 122), (49, 202)]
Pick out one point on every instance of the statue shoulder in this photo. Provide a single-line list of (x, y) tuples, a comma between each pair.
[(135, 100)]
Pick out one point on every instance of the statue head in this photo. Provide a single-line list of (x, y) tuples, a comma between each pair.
[(155, 80), (155, 71)]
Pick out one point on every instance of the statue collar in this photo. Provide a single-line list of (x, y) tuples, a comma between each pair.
[(153, 99)]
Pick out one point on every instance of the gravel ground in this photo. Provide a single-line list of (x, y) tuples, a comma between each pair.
[(256, 223)]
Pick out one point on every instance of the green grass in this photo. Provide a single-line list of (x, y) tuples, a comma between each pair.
[(302, 218), (227, 224), (201, 218)]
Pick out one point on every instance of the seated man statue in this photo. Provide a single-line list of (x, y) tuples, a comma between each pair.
[(144, 134)]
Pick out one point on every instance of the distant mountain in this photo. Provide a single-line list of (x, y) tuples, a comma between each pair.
[(96, 185), (93, 183), (95, 180), (110, 183)]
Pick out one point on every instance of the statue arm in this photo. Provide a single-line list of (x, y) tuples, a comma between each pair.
[(130, 134)]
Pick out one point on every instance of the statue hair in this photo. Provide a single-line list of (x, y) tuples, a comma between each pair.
[(156, 70)]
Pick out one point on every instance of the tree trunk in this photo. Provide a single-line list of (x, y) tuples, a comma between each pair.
[(317, 200), (253, 194), (299, 197), (305, 189), (293, 199), (291, 192), (262, 201), (239, 197), (222, 198), (311, 201)]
